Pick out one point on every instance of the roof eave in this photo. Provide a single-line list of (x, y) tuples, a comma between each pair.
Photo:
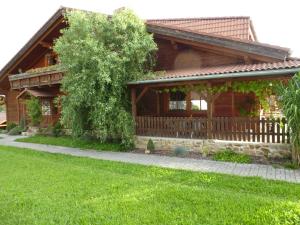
[(59, 13), (247, 47), (266, 73)]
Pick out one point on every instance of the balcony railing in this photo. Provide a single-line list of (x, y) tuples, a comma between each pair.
[(38, 77), (222, 128)]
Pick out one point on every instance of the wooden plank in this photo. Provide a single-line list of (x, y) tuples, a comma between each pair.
[(278, 130), (263, 129), (268, 130), (145, 89), (273, 130)]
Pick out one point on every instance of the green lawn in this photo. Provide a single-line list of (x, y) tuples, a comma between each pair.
[(43, 188), (68, 141)]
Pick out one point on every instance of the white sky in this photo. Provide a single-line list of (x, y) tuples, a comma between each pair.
[(275, 21)]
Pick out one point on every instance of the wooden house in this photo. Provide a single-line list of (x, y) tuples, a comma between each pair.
[(191, 52)]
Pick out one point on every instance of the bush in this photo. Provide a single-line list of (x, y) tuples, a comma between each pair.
[(16, 130), (34, 110), (57, 130), (228, 155), (151, 146), (46, 131), (10, 126), (180, 151), (23, 124)]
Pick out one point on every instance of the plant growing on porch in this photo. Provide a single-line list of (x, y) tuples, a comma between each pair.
[(34, 110), (100, 55), (262, 90), (289, 97)]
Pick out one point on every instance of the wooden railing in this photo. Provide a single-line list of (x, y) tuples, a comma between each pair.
[(222, 128)]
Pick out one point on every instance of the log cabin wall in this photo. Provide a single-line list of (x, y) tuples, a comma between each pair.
[(172, 56), (12, 106)]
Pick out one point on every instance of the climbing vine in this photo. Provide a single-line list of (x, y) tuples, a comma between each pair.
[(261, 88)]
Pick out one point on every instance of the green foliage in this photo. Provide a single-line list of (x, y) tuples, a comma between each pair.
[(66, 141), (45, 131), (57, 130), (228, 155), (180, 151), (34, 110), (289, 97), (23, 124), (43, 188), (292, 166), (151, 146), (101, 55), (10, 126), (16, 130), (262, 89)]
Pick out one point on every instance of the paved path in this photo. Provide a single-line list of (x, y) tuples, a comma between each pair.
[(264, 171)]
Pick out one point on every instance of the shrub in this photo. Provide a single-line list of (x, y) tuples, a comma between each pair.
[(10, 126), (113, 51), (45, 131), (57, 130), (289, 98), (23, 124), (228, 155), (151, 146), (180, 151), (16, 130), (34, 111)]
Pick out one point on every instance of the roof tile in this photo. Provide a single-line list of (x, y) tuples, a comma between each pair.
[(232, 27), (229, 69)]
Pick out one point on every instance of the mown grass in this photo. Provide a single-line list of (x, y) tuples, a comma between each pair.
[(68, 141), (43, 188), (228, 155)]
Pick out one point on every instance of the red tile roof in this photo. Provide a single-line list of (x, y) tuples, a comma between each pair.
[(227, 69), (232, 27)]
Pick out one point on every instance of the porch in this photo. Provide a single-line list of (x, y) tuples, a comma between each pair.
[(210, 109), (221, 128)]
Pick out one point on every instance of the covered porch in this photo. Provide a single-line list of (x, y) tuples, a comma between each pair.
[(190, 109), (42, 83)]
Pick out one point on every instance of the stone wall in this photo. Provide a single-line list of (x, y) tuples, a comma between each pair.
[(265, 150)]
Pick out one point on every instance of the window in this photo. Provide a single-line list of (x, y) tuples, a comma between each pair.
[(177, 101), (46, 107), (197, 103)]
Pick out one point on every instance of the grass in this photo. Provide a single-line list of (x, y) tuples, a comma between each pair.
[(43, 188), (228, 155), (68, 141)]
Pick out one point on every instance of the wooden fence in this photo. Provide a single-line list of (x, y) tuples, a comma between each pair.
[(222, 128)]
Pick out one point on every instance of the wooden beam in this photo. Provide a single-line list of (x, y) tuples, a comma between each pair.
[(209, 113), (45, 44), (174, 45), (217, 48), (133, 102), (157, 104), (145, 89), (232, 104), (50, 29), (247, 60)]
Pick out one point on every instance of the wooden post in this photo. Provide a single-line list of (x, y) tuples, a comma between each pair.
[(232, 103), (157, 103), (188, 104), (209, 113), (133, 102)]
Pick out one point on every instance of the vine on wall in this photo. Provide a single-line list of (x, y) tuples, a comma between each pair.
[(261, 88)]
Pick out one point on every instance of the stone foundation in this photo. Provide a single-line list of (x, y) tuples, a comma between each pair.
[(207, 147)]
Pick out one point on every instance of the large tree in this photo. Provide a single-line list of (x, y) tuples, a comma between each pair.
[(100, 55), (289, 96)]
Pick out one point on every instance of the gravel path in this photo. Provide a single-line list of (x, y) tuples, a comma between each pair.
[(264, 171)]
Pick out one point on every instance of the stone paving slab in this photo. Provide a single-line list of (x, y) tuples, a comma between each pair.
[(264, 171)]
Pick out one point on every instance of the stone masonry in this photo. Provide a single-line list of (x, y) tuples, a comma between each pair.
[(206, 147)]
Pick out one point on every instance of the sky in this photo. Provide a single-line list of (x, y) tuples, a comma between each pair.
[(275, 21)]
